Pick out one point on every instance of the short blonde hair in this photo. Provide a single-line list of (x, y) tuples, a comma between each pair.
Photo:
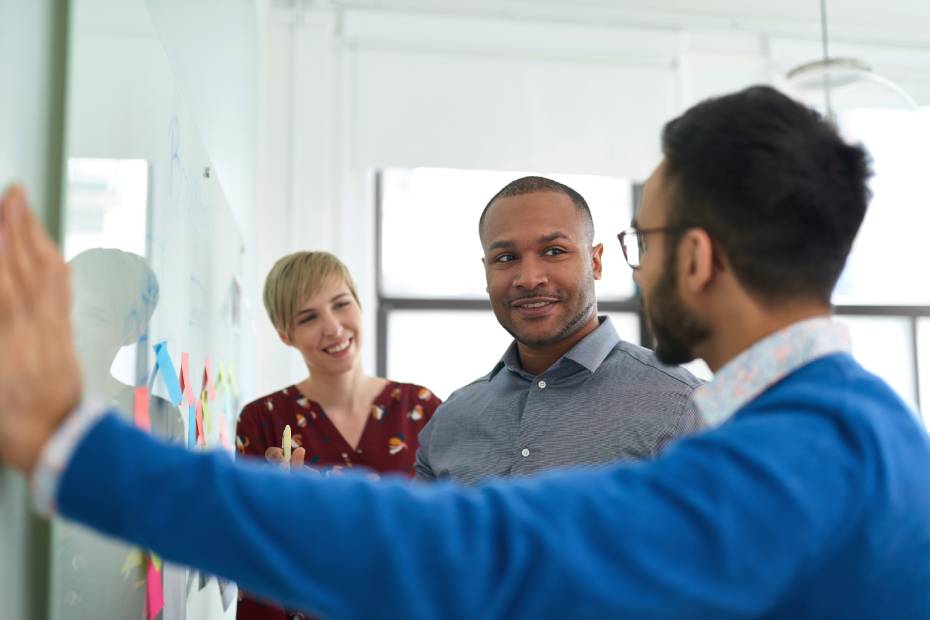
[(296, 277)]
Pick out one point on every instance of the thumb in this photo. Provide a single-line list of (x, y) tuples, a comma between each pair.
[(274, 455)]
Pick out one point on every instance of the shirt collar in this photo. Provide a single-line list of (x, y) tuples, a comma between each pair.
[(590, 352), (766, 362)]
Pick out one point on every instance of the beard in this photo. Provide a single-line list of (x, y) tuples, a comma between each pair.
[(578, 305), (676, 329), (570, 328)]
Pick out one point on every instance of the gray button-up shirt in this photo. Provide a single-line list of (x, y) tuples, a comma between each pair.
[(604, 400)]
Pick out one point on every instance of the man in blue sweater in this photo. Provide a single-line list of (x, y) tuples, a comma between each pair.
[(809, 497)]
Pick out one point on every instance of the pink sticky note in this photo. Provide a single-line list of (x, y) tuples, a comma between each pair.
[(140, 409), (224, 438), (186, 388), (201, 438), (154, 594)]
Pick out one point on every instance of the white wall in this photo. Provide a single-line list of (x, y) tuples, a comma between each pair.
[(582, 88)]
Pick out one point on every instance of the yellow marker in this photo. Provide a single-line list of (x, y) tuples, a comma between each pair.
[(286, 445)]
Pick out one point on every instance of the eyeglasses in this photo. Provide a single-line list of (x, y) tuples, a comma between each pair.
[(633, 242)]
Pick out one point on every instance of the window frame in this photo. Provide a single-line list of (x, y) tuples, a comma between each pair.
[(387, 304)]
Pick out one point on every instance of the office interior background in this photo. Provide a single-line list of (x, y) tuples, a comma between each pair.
[(378, 130)]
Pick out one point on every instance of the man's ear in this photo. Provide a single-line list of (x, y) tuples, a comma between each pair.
[(487, 285), (696, 260), (596, 265), (283, 336)]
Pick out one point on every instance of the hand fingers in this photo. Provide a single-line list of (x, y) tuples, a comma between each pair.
[(9, 205), (7, 292), (297, 457), (13, 194), (274, 455), (34, 261), (19, 237)]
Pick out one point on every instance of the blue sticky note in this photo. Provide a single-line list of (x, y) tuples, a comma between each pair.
[(191, 425), (168, 373)]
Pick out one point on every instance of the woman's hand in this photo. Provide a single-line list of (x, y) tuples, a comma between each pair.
[(275, 455)]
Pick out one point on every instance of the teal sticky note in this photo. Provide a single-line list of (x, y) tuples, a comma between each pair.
[(168, 374), (191, 425)]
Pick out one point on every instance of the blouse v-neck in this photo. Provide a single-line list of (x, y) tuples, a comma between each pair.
[(333, 431)]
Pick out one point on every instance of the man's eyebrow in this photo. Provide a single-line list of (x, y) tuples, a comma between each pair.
[(502, 244), (554, 236), (507, 244)]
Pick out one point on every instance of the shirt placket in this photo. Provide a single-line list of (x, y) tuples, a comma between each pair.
[(536, 407)]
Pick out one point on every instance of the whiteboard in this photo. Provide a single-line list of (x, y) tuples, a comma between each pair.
[(157, 259)]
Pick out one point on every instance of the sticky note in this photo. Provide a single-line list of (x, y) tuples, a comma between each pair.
[(154, 594), (140, 408), (224, 437), (207, 418), (201, 438), (228, 592), (132, 561), (185, 379), (231, 379), (191, 425), (221, 375), (167, 372), (208, 380)]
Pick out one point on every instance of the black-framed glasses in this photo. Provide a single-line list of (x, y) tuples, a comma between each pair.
[(633, 242)]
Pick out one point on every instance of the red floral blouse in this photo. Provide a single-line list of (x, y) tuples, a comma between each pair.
[(388, 444)]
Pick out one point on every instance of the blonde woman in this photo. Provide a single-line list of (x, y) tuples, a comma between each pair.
[(340, 416)]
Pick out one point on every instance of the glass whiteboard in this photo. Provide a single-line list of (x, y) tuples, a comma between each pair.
[(156, 259)]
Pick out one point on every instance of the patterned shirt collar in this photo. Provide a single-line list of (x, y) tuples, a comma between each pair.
[(589, 352), (765, 363)]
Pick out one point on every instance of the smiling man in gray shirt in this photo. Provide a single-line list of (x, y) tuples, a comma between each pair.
[(568, 390)]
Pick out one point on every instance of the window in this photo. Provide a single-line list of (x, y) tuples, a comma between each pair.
[(882, 294), (107, 207)]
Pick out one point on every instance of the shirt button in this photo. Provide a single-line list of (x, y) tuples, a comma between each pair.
[(525, 451), (542, 386)]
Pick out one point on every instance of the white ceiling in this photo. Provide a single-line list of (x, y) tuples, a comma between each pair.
[(902, 22)]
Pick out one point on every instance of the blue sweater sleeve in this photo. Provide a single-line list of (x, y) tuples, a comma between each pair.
[(718, 527)]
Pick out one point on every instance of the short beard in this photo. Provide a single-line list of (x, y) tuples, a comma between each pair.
[(568, 330), (676, 330)]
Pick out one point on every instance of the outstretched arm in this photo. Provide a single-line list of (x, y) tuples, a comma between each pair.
[(710, 530), (718, 527)]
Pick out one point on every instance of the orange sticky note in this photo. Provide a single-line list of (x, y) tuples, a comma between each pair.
[(140, 409), (154, 593)]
